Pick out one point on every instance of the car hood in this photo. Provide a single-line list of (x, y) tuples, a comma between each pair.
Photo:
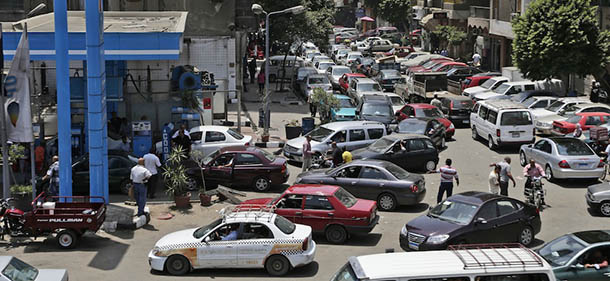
[(381, 119), (52, 275), (599, 188), (314, 173), (429, 226), (541, 113), (298, 142), (178, 237), (485, 95), (473, 90), (445, 122), (364, 153), (257, 202), (347, 111), (550, 118)]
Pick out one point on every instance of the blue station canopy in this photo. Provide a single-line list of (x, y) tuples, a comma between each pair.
[(127, 36)]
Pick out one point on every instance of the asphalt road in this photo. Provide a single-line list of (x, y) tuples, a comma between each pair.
[(122, 255)]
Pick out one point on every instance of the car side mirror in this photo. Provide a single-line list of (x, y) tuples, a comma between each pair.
[(481, 221), (577, 266), (206, 240), (389, 152)]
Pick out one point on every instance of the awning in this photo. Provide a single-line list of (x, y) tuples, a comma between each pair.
[(426, 19), (127, 36), (367, 19)]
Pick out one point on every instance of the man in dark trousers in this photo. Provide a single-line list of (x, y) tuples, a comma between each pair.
[(252, 70), (184, 141)]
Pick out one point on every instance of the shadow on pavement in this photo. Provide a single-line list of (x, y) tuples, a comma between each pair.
[(575, 183), (536, 243), (309, 270), (417, 208), (365, 240)]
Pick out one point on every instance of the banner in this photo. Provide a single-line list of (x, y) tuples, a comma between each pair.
[(17, 91)]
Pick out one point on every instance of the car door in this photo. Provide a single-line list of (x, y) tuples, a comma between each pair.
[(215, 253), (247, 167), (544, 153), (356, 139), (119, 169), (214, 140), (318, 212), (482, 124), (372, 182), (577, 271), (593, 121), (415, 156), (80, 176), (348, 178), (254, 243), (510, 220), (220, 169), (483, 227), (290, 206)]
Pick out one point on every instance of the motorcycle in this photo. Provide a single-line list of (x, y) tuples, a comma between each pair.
[(535, 193), (11, 219), (323, 163)]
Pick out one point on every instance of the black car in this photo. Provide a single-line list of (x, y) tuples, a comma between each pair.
[(410, 152), (387, 78), (457, 109), (459, 73), (300, 75), (429, 127), (377, 180), (376, 108), (472, 218)]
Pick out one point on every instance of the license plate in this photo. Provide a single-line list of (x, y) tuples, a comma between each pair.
[(466, 121), (582, 164), (413, 245), (515, 134)]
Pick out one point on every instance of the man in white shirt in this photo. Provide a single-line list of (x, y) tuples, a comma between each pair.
[(476, 59), (494, 180), (151, 163), (139, 176)]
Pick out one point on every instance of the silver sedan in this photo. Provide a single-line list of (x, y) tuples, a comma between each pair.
[(563, 158)]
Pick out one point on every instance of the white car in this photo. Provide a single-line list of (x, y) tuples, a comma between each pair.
[(240, 239), (351, 57), (397, 101), (323, 65), (14, 269), (210, 138), (335, 72), (544, 125)]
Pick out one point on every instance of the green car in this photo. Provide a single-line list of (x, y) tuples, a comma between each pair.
[(579, 255)]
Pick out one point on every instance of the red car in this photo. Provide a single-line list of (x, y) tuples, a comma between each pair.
[(328, 209), (444, 66), (427, 65), (478, 79), (585, 119), (426, 110), (346, 79), (241, 165)]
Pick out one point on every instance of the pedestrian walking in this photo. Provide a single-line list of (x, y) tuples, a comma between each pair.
[(312, 106), (436, 102), (505, 175), (578, 131), (494, 180), (53, 175), (476, 59), (448, 173), (252, 70), (306, 153), (184, 141), (151, 163), (261, 82), (139, 176)]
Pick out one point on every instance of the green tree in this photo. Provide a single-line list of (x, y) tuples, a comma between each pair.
[(556, 38), (397, 12), (449, 35), (324, 102)]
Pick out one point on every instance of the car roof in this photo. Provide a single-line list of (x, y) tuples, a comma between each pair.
[(342, 97), (365, 80), (455, 97), (587, 105), (421, 105), (318, 189), (238, 148), (487, 74), (475, 197), (209, 128), (4, 260), (402, 136), (502, 104), (593, 114), (355, 75), (316, 75), (593, 236), (339, 66), (375, 98), (343, 124), (249, 216)]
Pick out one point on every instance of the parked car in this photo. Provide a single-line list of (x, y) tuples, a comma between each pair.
[(459, 73), (501, 123), (489, 85), (424, 126), (323, 65), (445, 66), (340, 56), (334, 74), (376, 107), (411, 152), (14, 269), (598, 198), (362, 65), (522, 96), (319, 58), (397, 101), (327, 209), (377, 180), (426, 110), (349, 134), (346, 110), (387, 78), (472, 217), (241, 165), (478, 79), (346, 79), (281, 65), (264, 240), (544, 125), (300, 76), (360, 86), (316, 81), (380, 46), (557, 106), (585, 120), (537, 102), (563, 157), (210, 138), (507, 88), (428, 64), (457, 109), (569, 253), (351, 57)]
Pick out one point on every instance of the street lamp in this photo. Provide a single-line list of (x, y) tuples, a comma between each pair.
[(258, 10)]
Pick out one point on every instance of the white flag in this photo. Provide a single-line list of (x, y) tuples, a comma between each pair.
[(17, 89)]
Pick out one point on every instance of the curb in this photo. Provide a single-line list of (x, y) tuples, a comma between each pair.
[(271, 144), (289, 102)]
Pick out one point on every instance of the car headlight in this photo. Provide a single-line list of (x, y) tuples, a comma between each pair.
[(592, 196), (451, 126), (404, 231), (438, 239), (298, 180), (156, 251)]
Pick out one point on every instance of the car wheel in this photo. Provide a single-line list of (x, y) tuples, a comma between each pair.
[(442, 142), (191, 184), (490, 143), (317, 159), (386, 202), (549, 172), (603, 176), (177, 265), (604, 209), (277, 265), (522, 159), (66, 239), (430, 166), (336, 234), (125, 186), (526, 236), (475, 135), (261, 184)]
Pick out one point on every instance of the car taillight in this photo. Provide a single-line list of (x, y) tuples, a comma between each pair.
[(498, 133), (414, 188), (451, 105), (601, 163), (247, 144), (284, 168), (564, 164), (305, 244)]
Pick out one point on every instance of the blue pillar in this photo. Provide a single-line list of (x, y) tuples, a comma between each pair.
[(96, 99), (63, 97)]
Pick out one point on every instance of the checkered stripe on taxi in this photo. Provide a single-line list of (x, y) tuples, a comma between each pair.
[(276, 242)]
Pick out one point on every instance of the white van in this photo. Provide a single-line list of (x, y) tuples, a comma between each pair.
[(279, 64), (489, 85), (464, 263), (502, 122)]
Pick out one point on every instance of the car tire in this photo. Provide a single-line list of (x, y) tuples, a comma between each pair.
[(261, 184), (125, 186), (317, 158), (336, 234), (386, 202), (177, 265), (191, 184), (490, 143), (66, 239), (429, 166), (475, 135), (526, 236), (443, 140), (522, 159), (549, 172), (277, 265), (604, 208)]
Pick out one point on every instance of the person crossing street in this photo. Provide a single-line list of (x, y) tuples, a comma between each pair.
[(448, 173)]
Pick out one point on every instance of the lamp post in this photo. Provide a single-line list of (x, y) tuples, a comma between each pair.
[(258, 9)]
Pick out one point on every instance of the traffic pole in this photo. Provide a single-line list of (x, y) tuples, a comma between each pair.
[(6, 192)]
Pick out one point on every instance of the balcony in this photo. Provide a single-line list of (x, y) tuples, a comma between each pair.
[(501, 28), (479, 17)]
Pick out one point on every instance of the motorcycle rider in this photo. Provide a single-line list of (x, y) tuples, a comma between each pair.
[(530, 171), (337, 152), (597, 93)]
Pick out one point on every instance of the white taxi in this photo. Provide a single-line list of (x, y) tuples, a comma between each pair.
[(241, 239)]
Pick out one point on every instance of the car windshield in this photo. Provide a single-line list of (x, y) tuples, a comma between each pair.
[(284, 225), (574, 119), (502, 88), (347, 199), (354, 56), (397, 101), (488, 84), (368, 87), (306, 71), (520, 96), (346, 273), (516, 118), (17, 270), (268, 155), (396, 171), (318, 80), (381, 145), (320, 133), (343, 51), (555, 106), (210, 157), (454, 211), (236, 135), (202, 231), (428, 112), (376, 109), (572, 147), (459, 104), (340, 71), (559, 251), (391, 73), (346, 103), (526, 102), (412, 127), (325, 65)]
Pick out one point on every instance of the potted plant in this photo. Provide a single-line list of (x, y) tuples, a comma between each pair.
[(199, 158), (324, 102), (23, 196), (176, 179), (293, 129)]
